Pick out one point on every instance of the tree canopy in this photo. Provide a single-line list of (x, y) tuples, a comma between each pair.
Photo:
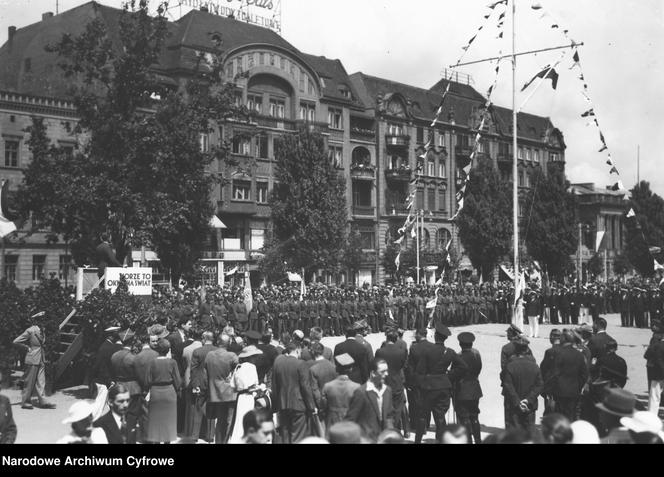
[(646, 229)]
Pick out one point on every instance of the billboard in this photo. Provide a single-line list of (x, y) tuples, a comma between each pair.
[(264, 13), (139, 280)]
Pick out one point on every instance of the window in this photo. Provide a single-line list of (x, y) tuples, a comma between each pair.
[(420, 135), (11, 153), (442, 169), (302, 80), (462, 141), (361, 194), (482, 147), (64, 267), (38, 265), (308, 112), (553, 157), (431, 169), (261, 192), (442, 199), (345, 92), (261, 146), (367, 239), (441, 140), (420, 199), (229, 70), (337, 156), (529, 154), (241, 145), (431, 199), (255, 103), (310, 87), (521, 181), (277, 108), (394, 129), (238, 65), (68, 151), (242, 190), (536, 155), (272, 59), (335, 118), (238, 99), (257, 239), (520, 153), (205, 142), (11, 262), (443, 237)]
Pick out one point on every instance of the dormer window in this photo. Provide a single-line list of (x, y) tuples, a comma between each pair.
[(345, 91)]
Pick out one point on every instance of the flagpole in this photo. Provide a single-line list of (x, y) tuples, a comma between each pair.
[(417, 231), (515, 166)]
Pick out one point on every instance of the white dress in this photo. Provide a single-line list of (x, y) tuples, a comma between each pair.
[(244, 378)]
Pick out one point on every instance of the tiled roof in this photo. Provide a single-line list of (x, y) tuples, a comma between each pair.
[(334, 76), (460, 89), (529, 126)]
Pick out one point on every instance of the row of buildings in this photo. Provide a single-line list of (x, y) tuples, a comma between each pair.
[(375, 130)]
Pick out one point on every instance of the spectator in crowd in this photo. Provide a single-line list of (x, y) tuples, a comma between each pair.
[(115, 423), (556, 429), (7, 424), (82, 431), (164, 381)]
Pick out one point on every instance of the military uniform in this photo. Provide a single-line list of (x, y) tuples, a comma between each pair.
[(467, 389)]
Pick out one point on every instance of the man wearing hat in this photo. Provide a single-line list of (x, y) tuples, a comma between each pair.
[(31, 341), (82, 432), (358, 352), (617, 403), (571, 371), (435, 380), (548, 371), (467, 389), (336, 394), (522, 386), (101, 371), (122, 366), (396, 359)]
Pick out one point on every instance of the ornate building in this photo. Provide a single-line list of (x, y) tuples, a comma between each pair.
[(375, 130)]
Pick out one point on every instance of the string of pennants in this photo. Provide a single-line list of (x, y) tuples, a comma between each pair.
[(409, 224), (591, 116)]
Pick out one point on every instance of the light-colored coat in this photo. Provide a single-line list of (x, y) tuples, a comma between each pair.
[(335, 399), (32, 341)]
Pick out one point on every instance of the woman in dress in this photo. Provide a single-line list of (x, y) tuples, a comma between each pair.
[(163, 380), (245, 381)]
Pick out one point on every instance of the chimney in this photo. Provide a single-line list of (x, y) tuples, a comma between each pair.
[(47, 15), (11, 31)]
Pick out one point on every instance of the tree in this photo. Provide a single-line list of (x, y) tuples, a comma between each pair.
[(485, 224), (621, 265), (352, 254), (308, 203), (550, 225), (644, 230), (140, 173), (596, 265)]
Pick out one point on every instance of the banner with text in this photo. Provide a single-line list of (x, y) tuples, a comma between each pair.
[(139, 280)]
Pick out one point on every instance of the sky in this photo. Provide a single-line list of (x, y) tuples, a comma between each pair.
[(414, 41)]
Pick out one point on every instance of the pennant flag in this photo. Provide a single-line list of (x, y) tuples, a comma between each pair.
[(233, 271), (614, 170), (400, 240), (6, 225), (590, 112), (598, 239), (604, 148), (631, 214), (470, 42), (439, 282), (601, 135), (248, 296), (447, 247), (467, 168), (547, 72), (294, 277), (495, 4), (500, 35), (618, 186), (413, 232), (507, 272), (658, 266), (609, 161), (397, 261), (520, 285), (536, 6), (575, 58), (554, 26), (432, 303), (501, 16)]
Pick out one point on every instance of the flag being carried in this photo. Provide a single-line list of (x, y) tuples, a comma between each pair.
[(248, 297)]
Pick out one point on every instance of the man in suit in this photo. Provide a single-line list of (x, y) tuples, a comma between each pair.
[(270, 353), (359, 354), (179, 340), (571, 376), (467, 389), (115, 424), (199, 381), (522, 385), (219, 366), (141, 364), (289, 394), (436, 382), (321, 372), (655, 369), (548, 371), (31, 341), (362, 331), (336, 394), (101, 368), (371, 405), (7, 424), (396, 359), (597, 343), (316, 335), (105, 256), (610, 367), (122, 367), (412, 383)]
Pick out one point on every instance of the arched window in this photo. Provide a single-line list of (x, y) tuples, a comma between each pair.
[(361, 157), (443, 237)]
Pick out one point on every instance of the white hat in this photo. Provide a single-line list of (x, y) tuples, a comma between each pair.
[(111, 329), (78, 411), (584, 433), (643, 421), (299, 334)]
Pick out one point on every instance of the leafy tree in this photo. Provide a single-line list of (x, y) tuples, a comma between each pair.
[(550, 237), (621, 265), (485, 224), (308, 203), (352, 254), (140, 173), (596, 265), (644, 230)]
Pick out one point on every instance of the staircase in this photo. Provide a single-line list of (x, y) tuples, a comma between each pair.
[(70, 345)]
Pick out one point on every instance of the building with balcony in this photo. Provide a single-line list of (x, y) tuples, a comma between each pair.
[(599, 210), (375, 130)]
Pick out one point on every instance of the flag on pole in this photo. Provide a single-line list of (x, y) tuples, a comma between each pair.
[(6, 225), (248, 297), (658, 266), (598, 240), (294, 277), (432, 303), (303, 288), (547, 72), (232, 271), (397, 261), (631, 214), (520, 285)]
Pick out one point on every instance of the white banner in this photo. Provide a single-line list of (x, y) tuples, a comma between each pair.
[(598, 242), (139, 280)]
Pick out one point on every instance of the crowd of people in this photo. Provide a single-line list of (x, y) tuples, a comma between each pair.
[(211, 371)]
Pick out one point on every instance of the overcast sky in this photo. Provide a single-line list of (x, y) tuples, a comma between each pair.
[(413, 41)]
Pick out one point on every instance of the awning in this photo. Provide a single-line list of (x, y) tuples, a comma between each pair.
[(215, 223)]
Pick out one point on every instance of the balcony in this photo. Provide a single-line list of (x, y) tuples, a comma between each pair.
[(397, 140), (275, 123), (312, 126), (400, 174), (363, 172), (212, 255), (465, 151), (396, 211), (237, 207), (364, 211), (361, 134)]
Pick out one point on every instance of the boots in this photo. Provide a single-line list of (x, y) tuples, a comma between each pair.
[(475, 430)]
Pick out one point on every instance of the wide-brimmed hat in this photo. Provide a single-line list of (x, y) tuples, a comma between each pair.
[(249, 351), (78, 411), (618, 402), (643, 421), (584, 433)]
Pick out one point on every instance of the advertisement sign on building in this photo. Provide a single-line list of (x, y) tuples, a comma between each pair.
[(264, 13), (139, 280)]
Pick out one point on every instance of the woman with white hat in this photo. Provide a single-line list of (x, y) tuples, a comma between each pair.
[(82, 432), (245, 381)]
